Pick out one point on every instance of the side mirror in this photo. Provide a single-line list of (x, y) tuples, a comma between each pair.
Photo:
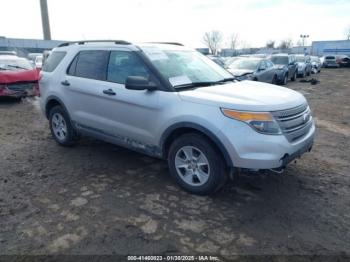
[(139, 83)]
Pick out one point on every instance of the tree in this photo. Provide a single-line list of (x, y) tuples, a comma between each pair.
[(285, 44), (347, 33), (213, 40), (270, 44), (233, 41)]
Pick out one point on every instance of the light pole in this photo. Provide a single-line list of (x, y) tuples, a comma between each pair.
[(303, 37), (45, 19)]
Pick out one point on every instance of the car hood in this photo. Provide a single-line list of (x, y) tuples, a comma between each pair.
[(280, 66), (8, 77), (301, 63), (240, 72), (245, 95)]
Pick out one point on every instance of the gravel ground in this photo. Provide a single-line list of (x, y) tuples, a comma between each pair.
[(96, 198)]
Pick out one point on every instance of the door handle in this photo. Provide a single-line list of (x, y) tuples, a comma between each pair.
[(65, 83), (109, 92)]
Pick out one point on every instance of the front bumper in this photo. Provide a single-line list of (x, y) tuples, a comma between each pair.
[(18, 90), (252, 150)]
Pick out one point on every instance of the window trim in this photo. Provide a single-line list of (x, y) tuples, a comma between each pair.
[(163, 84)]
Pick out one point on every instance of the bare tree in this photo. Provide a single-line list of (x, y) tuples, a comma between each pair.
[(213, 40), (270, 44), (347, 33), (233, 41), (285, 44)]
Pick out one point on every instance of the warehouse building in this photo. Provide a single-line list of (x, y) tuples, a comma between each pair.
[(339, 47), (25, 46)]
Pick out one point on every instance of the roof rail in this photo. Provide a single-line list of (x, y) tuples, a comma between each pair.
[(166, 43), (83, 42)]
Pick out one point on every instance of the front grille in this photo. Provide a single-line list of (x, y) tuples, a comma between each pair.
[(295, 123), (21, 87)]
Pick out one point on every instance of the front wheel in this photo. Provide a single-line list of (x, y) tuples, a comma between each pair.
[(285, 79), (294, 76), (274, 80), (196, 165), (61, 127), (308, 73)]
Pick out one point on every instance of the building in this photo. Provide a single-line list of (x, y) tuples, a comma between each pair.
[(339, 47), (25, 46)]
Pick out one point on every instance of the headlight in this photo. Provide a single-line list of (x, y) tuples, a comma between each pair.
[(262, 122)]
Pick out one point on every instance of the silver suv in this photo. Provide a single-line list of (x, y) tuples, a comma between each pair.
[(171, 102)]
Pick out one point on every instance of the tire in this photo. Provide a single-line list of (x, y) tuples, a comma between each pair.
[(294, 77), (274, 80), (202, 177), (285, 79), (304, 74), (61, 127)]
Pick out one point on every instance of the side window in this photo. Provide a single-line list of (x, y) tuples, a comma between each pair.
[(262, 65), (123, 64), (53, 60), (90, 64), (269, 64)]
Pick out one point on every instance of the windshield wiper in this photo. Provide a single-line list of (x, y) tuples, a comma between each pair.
[(16, 66), (228, 79), (195, 84)]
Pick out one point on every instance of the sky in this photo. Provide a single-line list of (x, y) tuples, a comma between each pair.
[(255, 22)]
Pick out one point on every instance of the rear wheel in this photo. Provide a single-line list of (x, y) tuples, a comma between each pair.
[(61, 127), (196, 165)]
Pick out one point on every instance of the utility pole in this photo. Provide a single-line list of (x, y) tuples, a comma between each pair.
[(303, 37), (45, 19)]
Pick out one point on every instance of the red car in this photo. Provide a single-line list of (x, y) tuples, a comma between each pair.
[(18, 78)]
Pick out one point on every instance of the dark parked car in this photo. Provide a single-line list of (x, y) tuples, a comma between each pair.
[(344, 61), (252, 68), (18, 78), (286, 67)]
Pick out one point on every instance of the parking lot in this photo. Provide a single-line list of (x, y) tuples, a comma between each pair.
[(96, 198)]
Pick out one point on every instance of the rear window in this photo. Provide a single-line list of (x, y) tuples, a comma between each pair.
[(53, 60), (90, 64), (280, 60)]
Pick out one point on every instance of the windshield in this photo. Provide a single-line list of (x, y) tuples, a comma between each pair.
[(300, 58), (249, 64), (182, 67), (280, 60), (15, 64)]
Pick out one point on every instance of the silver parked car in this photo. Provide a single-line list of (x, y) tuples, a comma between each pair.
[(316, 64), (253, 68), (330, 61), (171, 102), (304, 65)]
